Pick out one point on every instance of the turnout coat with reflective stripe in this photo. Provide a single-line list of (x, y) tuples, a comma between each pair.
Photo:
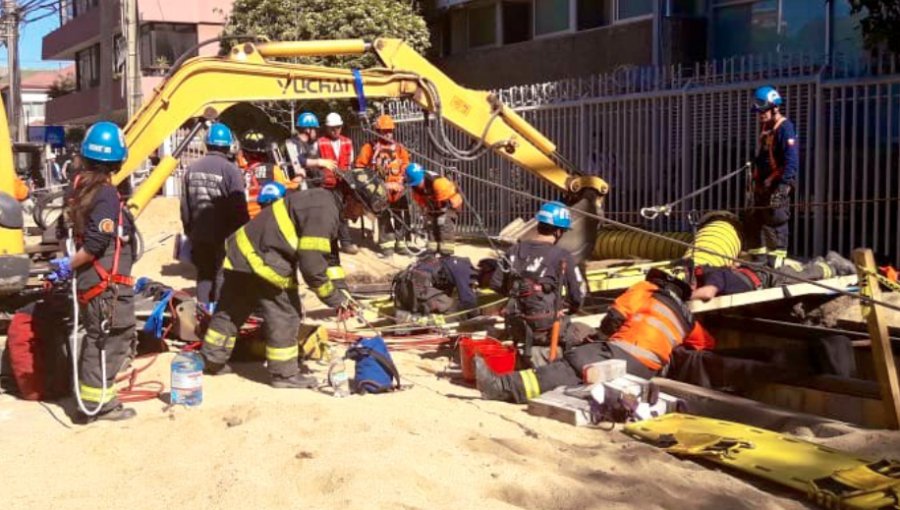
[(294, 233), (651, 323)]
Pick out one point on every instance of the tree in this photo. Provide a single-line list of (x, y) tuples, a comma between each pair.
[(304, 20), (881, 24)]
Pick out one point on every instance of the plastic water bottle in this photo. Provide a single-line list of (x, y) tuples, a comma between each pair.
[(337, 375), (187, 379)]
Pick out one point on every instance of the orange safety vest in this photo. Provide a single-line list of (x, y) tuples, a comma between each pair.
[(257, 175), (344, 158), (390, 161), (438, 193), (653, 329)]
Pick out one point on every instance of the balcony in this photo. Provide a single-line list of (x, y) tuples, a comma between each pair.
[(78, 107), (78, 33)]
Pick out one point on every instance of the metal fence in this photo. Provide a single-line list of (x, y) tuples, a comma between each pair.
[(656, 134)]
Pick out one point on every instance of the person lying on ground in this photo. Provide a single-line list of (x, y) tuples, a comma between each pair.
[(427, 286), (642, 327), (710, 282)]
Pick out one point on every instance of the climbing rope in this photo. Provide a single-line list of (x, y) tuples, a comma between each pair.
[(651, 213)]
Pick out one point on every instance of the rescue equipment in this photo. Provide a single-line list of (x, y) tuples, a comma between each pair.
[(626, 244), (718, 233), (829, 477), (375, 370)]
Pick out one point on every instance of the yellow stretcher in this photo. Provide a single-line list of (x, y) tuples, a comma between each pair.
[(831, 478)]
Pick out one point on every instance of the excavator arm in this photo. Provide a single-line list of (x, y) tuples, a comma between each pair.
[(206, 86)]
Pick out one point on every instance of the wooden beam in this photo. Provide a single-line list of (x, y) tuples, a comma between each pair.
[(885, 369), (772, 294)]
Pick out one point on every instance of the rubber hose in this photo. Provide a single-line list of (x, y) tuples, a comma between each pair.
[(719, 236), (626, 244)]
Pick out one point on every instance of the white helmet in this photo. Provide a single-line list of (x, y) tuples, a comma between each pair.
[(334, 119)]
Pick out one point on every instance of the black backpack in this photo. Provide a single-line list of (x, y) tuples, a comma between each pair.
[(413, 288)]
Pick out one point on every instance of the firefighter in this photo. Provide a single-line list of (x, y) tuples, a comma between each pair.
[(338, 148), (104, 243), (775, 172), (540, 271), (427, 287), (442, 203), (213, 206), (643, 327), (304, 151), (259, 169), (262, 260), (389, 159), (710, 282)]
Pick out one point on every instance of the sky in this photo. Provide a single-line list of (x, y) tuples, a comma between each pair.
[(30, 45)]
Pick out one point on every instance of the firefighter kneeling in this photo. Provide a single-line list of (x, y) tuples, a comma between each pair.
[(442, 203), (262, 259), (643, 327), (427, 286)]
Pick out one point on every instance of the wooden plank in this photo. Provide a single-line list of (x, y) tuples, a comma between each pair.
[(772, 294), (883, 356)]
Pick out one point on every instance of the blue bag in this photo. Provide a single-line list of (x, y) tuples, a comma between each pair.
[(375, 370)]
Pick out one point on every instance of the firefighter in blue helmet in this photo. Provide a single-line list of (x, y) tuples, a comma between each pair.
[(540, 271), (104, 253), (775, 173)]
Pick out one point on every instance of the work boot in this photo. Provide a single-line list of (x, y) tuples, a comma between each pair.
[(489, 384), (118, 413), (297, 381), (841, 265), (211, 368), (349, 248), (385, 254)]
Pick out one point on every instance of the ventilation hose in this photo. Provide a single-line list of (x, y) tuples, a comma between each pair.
[(717, 234), (627, 244)]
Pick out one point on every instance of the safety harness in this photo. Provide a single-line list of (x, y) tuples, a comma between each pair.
[(749, 277), (767, 139), (111, 276)]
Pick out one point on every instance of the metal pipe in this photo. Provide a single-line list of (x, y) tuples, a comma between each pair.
[(313, 48)]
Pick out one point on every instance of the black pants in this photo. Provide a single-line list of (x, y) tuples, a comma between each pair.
[(392, 225), (242, 295), (207, 257), (442, 231), (767, 229), (115, 310), (567, 371)]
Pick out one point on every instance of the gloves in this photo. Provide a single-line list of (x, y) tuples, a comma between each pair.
[(62, 270), (345, 311)]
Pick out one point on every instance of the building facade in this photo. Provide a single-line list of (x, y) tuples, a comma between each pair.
[(36, 91), (496, 43), (90, 35)]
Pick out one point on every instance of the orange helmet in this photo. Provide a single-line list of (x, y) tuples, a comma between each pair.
[(384, 123)]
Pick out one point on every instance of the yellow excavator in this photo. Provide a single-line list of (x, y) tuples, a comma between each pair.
[(14, 262)]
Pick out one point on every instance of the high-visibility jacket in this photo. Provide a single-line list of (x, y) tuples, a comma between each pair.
[(257, 175), (648, 323), (296, 232), (343, 156), (390, 161), (438, 194)]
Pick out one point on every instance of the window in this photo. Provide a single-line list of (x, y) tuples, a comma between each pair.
[(120, 54), (163, 43), (593, 13), (686, 7), (66, 11), (87, 67), (747, 28), (550, 16), (457, 31), (633, 8), (802, 27), (83, 6), (516, 22), (848, 39), (482, 26), (33, 112)]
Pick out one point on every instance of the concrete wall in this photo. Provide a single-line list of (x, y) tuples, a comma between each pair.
[(553, 58)]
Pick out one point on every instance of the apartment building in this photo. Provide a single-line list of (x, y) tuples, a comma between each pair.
[(90, 35)]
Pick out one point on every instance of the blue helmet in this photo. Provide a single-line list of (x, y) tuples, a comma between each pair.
[(415, 174), (307, 120), (554, 214), (271, 192), (219, 135), (104, 142), (765, 98)]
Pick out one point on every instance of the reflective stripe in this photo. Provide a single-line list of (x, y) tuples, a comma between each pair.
[(431, 246), (401, 244), (778, 253), (325, 290), (217, 339), (387, 244), (322, 244), (227, 264), (530, 382), (285, 225), (92, 394), (826, 269), (282, 353), (257, 264), (758, 251), (660, 326), (335, 273), (638, 352), (667, 312)]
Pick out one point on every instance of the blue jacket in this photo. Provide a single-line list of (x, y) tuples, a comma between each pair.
[(779, 155)]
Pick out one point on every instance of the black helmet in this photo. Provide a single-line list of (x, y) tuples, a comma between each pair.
[(254, 141), (366, 186), (665, 280)]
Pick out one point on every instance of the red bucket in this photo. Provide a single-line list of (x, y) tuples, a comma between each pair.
[(501, 360), (469, 347)]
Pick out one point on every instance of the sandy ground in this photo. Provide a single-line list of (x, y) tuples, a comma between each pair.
[(435, 445)]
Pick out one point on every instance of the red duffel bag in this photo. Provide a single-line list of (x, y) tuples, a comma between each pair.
[(37, 353)]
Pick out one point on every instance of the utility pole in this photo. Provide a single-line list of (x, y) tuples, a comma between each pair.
[(132, 64), (14, 107)]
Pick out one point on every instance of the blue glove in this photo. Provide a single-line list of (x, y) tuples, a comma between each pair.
[(62, 270)]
